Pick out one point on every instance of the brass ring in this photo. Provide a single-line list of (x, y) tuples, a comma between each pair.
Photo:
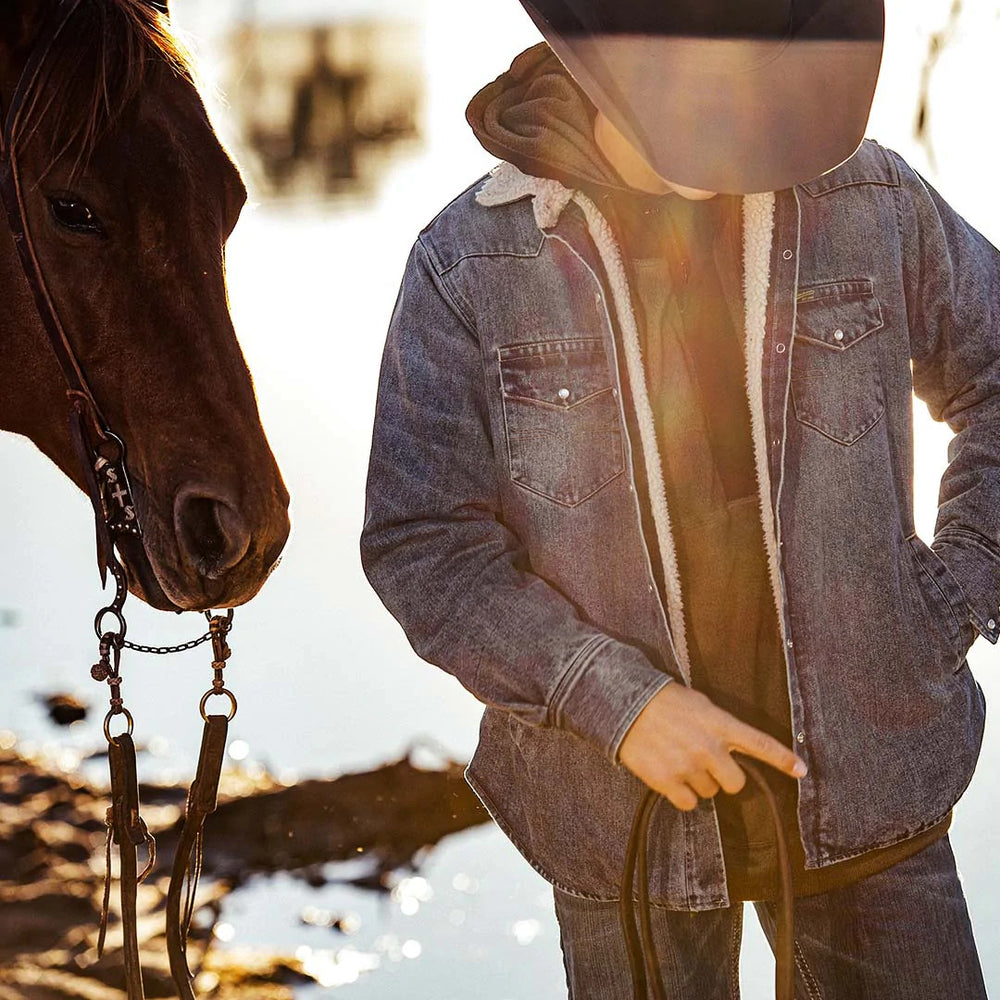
[(208, 694), (107, 724)]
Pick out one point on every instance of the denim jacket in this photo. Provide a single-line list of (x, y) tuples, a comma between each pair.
[(504, 532)]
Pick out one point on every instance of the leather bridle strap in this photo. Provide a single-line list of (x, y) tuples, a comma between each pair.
[(11, 192), (102, 458), (127, 830), (101, 453), (202, 800)]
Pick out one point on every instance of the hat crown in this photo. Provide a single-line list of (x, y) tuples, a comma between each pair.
[(725, 95), (763, 19)]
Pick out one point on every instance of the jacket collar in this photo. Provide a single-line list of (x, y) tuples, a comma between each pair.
[(507, 184)]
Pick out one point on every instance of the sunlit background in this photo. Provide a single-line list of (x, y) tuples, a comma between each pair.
[(348, 118)]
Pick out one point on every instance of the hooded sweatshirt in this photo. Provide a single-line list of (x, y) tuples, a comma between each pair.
[(685, 268)]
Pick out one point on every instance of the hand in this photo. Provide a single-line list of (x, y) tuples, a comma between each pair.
[(681, 746)]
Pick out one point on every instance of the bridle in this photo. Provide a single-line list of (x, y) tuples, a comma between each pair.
[(101, 453)]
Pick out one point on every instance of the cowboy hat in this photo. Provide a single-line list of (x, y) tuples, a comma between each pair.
[(734, 96)]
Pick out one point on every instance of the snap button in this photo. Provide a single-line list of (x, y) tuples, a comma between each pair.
[(800, 737), (780, 348), (787, 255), (563, 394), (992, 623), (838, 334)]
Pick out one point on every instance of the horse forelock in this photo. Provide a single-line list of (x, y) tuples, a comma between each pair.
[(100, 61)]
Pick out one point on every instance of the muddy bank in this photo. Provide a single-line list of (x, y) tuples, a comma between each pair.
[(52, 865)]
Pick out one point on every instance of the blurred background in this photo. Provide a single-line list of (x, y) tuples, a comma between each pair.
[(347, 119)]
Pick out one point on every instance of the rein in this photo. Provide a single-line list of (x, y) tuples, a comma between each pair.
[(101, 454), (639, 942)]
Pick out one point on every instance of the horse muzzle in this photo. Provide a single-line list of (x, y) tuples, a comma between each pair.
[(214, 552)]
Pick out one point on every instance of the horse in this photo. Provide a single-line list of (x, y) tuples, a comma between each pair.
[(118, 359), (129, 198)]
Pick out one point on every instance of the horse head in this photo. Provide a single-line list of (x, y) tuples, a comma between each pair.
[(129, 199)]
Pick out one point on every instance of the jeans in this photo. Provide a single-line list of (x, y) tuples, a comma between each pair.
[(901, 934)]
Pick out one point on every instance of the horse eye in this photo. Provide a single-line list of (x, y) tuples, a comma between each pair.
[(75, 215)]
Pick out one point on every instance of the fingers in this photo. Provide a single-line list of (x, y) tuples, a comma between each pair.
[(681, 745), (765, 748), (681, 796), (685, 795), (730, 776), (704, 784)]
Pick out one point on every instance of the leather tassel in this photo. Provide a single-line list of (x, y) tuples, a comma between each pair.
[(106, 904)]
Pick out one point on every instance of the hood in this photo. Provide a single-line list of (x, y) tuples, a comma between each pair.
[(537, 118)]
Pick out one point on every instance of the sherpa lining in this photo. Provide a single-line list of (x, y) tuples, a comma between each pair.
[(758, 235), (506, 184)]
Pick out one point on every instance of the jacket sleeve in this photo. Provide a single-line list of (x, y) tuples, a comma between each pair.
[(952, 278), (435, 549)]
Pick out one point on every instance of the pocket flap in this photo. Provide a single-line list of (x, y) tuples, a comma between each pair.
[(560, 373), (837, 314)]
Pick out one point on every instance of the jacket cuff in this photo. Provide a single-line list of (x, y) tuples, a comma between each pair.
[(603, 691), (975, 571)]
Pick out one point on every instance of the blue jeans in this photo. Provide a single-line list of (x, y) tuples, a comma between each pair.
[(902, 934)]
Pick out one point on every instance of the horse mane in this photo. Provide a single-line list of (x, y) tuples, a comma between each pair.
[(100, 61)]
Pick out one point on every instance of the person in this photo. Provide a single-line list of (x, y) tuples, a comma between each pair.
[(641, 479)]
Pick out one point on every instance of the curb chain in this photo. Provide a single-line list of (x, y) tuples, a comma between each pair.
[(163, 650)]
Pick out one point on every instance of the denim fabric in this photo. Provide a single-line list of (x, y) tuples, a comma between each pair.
[(903, 934), (503, 529)]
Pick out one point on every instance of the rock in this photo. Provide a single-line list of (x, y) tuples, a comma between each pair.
[(388, 814), (52, 869), (43, 914), (65, 709)]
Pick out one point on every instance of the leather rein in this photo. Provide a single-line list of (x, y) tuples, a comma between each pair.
[(102, 458), (640, 943)]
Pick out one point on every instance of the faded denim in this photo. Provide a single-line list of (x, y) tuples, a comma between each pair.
[(902, 934), (503, 529)]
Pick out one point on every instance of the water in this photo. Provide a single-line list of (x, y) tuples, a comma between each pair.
[(325, 679)]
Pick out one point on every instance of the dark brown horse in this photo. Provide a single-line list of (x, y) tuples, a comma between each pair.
[(130, 198)]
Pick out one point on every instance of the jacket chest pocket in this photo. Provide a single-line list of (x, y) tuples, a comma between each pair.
[(836, 386), (560, 410)]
